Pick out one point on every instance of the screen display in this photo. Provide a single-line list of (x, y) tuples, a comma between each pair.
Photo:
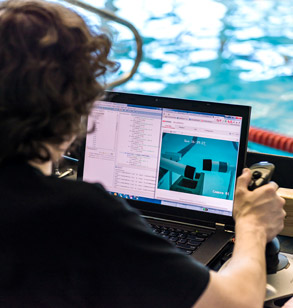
[(165, 156)]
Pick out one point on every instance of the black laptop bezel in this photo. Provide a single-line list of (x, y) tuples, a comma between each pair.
[(169, 212)]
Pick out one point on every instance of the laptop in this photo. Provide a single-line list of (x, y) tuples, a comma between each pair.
[(175, 160)]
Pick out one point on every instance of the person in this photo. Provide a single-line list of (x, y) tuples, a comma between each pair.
[(71, 244)]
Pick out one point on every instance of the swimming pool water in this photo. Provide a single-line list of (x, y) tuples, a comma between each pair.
[(233, 51)]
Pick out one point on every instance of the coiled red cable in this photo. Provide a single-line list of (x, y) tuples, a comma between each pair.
[(271, 139)]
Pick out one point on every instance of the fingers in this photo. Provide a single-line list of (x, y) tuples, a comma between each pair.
[(267, 189), (269, 192), (262, 205), (244, 179), (274, 185)]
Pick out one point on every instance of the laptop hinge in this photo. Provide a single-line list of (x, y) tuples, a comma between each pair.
[(220, 226)]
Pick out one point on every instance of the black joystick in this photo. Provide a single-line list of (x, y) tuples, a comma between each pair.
[(274, 259), (261, 174)]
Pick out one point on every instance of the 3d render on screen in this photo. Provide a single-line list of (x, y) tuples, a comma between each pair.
[(194, 165)]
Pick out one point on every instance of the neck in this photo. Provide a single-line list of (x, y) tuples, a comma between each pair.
[(44, 167)]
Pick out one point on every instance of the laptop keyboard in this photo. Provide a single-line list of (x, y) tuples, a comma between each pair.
[(187, 241)]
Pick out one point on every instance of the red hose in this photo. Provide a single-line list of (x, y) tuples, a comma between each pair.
[(271, 139)]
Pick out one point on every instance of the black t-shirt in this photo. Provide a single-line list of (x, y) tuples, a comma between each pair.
[(71, 244)]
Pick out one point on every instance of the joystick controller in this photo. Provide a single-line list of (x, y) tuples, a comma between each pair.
[(279, 282), (262, 173), (279, 265)]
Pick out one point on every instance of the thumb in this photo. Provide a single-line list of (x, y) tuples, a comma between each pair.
[(244, 179)]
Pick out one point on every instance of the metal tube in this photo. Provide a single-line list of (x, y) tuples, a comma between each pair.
[(213, 165), (173, 166)]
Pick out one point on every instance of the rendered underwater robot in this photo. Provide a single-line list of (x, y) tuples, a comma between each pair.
[(178, 176)]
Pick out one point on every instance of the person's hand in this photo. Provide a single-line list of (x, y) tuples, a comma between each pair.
[(289, 303), (260, 208)]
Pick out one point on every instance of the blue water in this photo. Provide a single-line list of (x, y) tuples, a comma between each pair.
[(233, 51)]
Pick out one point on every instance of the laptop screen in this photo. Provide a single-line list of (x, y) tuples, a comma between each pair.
[(186, 159)]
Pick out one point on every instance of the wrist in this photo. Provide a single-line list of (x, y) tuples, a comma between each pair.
[(247, 228)]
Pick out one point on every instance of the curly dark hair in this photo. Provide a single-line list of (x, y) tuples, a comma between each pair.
[(50, 61)]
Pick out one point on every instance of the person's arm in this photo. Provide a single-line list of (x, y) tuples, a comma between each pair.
[(259, 217)]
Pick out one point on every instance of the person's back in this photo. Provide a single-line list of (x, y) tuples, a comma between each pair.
[(53, 242), (48, 255), (67, 244)]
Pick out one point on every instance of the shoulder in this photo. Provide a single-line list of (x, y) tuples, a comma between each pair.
[(91, 197)]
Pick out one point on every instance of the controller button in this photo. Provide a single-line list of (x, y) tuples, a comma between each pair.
[(258, 182), (256, 174)]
